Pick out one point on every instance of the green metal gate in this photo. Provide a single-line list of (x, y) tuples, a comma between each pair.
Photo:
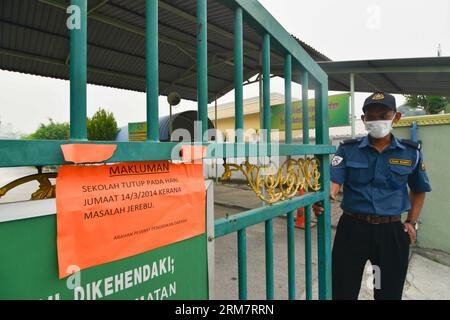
[(15, 153)]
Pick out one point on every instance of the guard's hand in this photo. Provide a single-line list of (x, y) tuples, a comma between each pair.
[(334, 190), (317, 208), (409, 228)]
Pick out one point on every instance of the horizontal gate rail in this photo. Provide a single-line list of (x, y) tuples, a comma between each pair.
[(18, 153), (249, 218)]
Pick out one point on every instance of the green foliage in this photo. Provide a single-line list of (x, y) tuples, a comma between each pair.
[(447, 108), (51, 131), (431, 104), (102, 126)]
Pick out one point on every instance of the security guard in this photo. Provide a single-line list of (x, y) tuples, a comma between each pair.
[(375, 171)]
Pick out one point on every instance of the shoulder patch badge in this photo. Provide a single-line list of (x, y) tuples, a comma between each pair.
[(422, 166), (337, 160)]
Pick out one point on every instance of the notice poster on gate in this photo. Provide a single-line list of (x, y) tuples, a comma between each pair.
[(110, 212)]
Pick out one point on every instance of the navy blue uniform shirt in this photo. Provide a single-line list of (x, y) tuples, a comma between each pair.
[(376, 183)]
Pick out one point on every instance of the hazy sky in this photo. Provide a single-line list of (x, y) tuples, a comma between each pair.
[(342, 30)]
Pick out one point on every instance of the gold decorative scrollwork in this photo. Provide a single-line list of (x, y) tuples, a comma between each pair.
[(46, 189), (279, 184)]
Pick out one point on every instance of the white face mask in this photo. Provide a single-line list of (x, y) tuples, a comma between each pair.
[(379, 129)]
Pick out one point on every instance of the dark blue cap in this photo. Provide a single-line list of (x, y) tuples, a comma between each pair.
[(381, 98)]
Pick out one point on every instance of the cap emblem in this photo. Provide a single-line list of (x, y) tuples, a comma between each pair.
[(378, 96)]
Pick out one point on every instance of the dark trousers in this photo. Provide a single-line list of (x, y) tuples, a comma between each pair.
[(385, 245)]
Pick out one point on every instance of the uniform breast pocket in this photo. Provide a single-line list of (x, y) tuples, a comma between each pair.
[(358, 172), (398, 176)]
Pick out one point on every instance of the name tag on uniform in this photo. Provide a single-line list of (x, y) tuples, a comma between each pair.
[(401, 162)]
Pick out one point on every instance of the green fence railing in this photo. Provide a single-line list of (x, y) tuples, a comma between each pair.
[(15, 153), (295, 57)]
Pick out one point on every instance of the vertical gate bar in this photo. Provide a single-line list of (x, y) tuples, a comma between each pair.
[(239, 73), (269, 260), (170, 121), (288, 98), (202, 65), (266, 126), (308, 254), (152, 60), (324, 220), (291, 254), (308, 244), (261, 114), (305, 107), (242, 264), (261, 96), (215, 135), (78, 75), (266, 85)]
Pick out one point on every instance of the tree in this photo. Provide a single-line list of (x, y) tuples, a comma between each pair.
[(431, 104), (102, 126), (447, 108), (51, 131)]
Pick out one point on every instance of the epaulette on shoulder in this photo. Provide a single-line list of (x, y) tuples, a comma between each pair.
[(411, 143), (350, 141)]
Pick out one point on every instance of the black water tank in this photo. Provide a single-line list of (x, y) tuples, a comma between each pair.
[(183, 120)]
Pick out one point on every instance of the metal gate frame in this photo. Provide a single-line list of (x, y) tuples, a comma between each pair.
[(15, 153)]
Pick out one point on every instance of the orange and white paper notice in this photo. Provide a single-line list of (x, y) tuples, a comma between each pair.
[(84, 153), (111, 212)]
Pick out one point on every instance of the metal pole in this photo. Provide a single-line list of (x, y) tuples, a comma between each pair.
[(261, 122), (308, 245), (288, 98), (291, 254), (78, 75), (305, 107), (266, 85), (269, 259), (202, 65), (288, 140), (261, 98), (324, 220), (215, 114), (414, 131), (152, 61), (217, 129), (266, 126), (239, 73), (242, 264), (352, 94), (170, 121), (308, 254)]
